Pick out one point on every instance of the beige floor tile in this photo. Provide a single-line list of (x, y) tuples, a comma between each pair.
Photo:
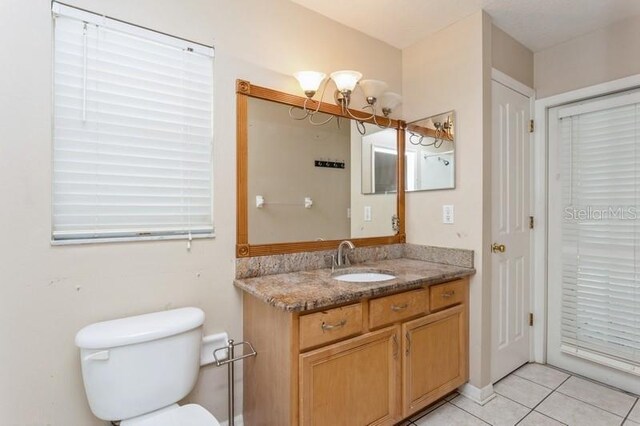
[(537, 419), (521, 390), (630, 423), (601, 396), (542, 375), (449, 415), (576, 413), (635, 413), (500, 411)]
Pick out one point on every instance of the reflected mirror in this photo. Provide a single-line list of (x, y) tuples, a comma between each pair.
[(430, 153), (304, 181), (379, 159)]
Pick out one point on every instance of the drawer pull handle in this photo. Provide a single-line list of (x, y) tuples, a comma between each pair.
[(448, 294), (398, 308), (329, 327)]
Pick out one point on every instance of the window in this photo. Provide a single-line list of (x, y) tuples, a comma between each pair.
[(132, 131)]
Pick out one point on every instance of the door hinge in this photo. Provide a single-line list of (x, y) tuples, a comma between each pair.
[(531, 126), (531, 221), (530, 319)]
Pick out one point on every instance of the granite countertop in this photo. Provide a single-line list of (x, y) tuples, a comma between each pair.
[(307, 290)]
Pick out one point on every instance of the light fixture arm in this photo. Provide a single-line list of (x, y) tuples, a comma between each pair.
[(346, 82), (309, 113)]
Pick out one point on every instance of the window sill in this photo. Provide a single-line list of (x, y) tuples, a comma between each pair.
[(81, 241)]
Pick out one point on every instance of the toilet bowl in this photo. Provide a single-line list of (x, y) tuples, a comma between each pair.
[(136, 369)]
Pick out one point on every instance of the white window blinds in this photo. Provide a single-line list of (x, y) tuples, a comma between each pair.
[(133, 133), (600, 162)]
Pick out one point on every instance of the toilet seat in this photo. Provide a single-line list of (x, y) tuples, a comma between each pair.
[(185, 415)]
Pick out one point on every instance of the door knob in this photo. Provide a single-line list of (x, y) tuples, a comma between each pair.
[(498, 248)]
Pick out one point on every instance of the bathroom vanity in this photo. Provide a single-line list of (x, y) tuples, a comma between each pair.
[(332, 352)]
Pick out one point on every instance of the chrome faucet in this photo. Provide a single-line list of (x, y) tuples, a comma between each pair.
[(342, 259)]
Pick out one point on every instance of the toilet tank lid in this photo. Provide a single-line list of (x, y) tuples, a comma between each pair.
[(138, 329)]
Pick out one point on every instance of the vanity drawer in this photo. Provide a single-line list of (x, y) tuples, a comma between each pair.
[(397, 307), (447, 294), (328, 326)]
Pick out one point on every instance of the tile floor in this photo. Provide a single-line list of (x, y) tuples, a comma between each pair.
[(537, 395)]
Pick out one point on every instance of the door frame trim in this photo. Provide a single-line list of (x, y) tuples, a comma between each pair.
[(513, 84), (540, 201)]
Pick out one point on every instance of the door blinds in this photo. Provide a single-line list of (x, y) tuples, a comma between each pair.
[(132, 131), (600, 163)]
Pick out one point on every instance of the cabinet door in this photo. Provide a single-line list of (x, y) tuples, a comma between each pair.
[(352, 383), (435, 357)]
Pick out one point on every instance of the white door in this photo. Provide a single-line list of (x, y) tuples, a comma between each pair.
[(594, 239), (510, 230)]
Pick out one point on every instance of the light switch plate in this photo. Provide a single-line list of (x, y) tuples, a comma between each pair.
[(367, 213), (447, 213)]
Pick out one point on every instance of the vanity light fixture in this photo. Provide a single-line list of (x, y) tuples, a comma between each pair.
[(443, 131), (310, 81), (346, 81)]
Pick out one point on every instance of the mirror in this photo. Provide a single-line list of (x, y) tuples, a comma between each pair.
[(300, 185), (430, 153)]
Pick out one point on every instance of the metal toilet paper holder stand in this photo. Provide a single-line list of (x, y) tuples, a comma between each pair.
[(229, 362)]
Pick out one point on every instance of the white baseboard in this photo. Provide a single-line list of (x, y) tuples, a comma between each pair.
[(477, 395), (238, 421)]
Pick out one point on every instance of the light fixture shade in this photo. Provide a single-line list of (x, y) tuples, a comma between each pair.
[(390, 100), (346, 80), (373, 88), (309, 81)]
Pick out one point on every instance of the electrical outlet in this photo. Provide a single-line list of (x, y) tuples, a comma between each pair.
[(367, 213), (447, 213)]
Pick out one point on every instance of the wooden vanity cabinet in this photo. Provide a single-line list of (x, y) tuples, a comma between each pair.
[(434, 364), (372, 362), (354, 382)]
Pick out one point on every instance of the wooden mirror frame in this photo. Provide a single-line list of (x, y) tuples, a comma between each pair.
[(244, 91)]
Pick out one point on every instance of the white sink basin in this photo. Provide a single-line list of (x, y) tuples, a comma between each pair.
[(363, 277)]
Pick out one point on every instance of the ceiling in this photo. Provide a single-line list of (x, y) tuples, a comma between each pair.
[(538, 24)]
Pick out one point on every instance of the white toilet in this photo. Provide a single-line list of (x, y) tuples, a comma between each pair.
[(136, 369)]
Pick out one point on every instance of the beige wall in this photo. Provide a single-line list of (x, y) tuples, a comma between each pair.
[(450, 70), (604, 55), (511, 57), (281, 169), (48, 293)]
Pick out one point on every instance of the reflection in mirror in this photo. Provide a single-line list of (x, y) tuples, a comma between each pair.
[(301, 179), (374, 180), (379, 158), (430, 153)]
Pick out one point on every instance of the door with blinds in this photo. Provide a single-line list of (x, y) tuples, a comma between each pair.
[(594, 239)]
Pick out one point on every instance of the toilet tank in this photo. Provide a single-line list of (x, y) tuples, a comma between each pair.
[(136, 365)]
